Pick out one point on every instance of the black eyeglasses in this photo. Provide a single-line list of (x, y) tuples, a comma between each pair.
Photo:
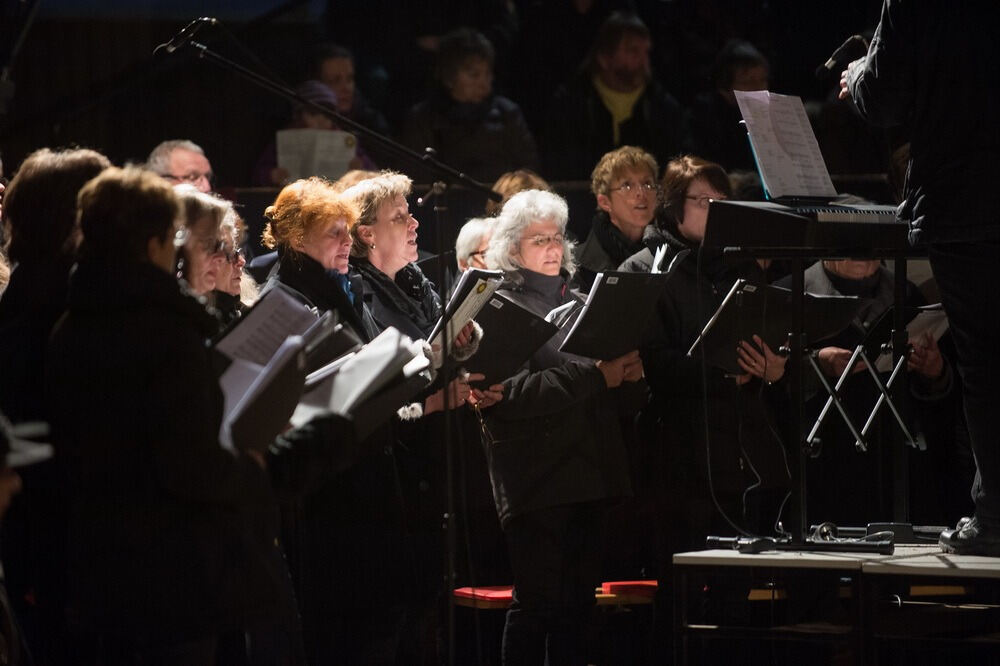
[(233, 256)]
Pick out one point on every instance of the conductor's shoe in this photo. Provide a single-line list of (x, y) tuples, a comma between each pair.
[(972, 537)]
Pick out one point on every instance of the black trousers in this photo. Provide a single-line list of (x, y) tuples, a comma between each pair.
[(555, 555), (966, 274)]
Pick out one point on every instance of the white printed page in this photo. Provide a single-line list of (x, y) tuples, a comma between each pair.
[(259, 335), (315, 152), (788, 155)]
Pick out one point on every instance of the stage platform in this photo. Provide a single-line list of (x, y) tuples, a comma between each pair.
[(860, 608)]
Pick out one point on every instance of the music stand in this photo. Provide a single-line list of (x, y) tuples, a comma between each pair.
[(813, 241), (877, 338)]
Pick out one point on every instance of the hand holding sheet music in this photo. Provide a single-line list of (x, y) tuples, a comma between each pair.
[(613, 320), (473, 290), (369, 385), (761, 310), (931, 322)]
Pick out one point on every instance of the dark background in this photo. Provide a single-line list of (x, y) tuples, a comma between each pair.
[(85, 74)]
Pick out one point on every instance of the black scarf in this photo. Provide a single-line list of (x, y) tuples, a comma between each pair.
[(411, 294), (613, 241)]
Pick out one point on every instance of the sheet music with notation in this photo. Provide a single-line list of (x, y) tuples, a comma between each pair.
[(784, 145)]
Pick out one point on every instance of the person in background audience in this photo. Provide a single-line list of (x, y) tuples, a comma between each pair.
[(472, 241), (512, 182), (470, 127), (333, 66), (715, 116), (267, 171), (39, 218), (624, 182), (182, 161), (612, 102)]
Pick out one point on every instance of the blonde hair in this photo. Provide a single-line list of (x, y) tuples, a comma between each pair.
[(368, 196), (351, 178), (302, 207), (613, 163), (511, 183)]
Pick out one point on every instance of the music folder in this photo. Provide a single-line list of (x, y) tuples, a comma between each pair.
[(474, 287), (614, 318), (328, 340), (367, 386), (257, 335), (767, 311), (258, 401), (511, 334)]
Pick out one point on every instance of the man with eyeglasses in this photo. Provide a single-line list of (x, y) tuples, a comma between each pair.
[(182, 161), (624, 183)]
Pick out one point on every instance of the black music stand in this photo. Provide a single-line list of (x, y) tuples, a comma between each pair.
[(800, 239), (877, 339)]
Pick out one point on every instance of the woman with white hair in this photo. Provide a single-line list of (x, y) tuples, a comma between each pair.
[(472, 241), (556, 456)]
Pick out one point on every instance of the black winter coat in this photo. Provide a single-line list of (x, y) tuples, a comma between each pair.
[(739, 418), (307, 280), (603, 250), (161, 516), (932, 69), (483, 140), (556, 437)]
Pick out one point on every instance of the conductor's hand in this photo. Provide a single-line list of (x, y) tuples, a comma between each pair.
[(767, 365), (925, 358), (614, 370), (833, 360), (845, 92), (488, 397)]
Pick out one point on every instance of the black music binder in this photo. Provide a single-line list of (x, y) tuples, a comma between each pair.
[(766, 311), (264, 410), (618, 308), (511, 334)]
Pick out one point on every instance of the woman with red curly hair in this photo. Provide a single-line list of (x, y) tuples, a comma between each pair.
[(310, 226)]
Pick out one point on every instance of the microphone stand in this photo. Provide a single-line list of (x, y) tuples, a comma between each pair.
[(444, 175)]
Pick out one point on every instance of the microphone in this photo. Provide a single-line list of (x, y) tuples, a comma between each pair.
[(853, 48), (182, 38)]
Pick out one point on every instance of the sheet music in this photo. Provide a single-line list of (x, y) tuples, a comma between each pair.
[(474, 288), (315, 152), (262, 331), (931, 320), (243, 380), (784, 145)]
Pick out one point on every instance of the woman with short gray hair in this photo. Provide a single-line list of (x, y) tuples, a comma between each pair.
[(472, 241), (556, 455)]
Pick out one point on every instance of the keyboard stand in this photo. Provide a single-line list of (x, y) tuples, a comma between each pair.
[(834, 398)]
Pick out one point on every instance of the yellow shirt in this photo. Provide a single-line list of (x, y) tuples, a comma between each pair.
[(619, 104)]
